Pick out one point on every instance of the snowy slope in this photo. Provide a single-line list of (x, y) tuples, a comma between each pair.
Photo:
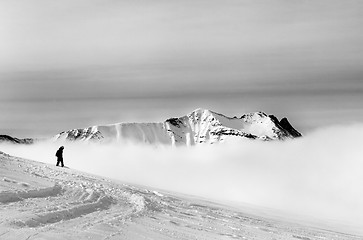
[(42, 201), (200, 126)]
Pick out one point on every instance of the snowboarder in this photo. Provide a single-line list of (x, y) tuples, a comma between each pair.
[(59, 155)]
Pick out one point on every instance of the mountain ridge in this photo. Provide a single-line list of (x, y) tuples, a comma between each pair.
[(199, 126), (14, 140)]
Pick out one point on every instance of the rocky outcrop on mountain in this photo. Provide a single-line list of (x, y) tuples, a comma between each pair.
[(199, 126), (287, 126)]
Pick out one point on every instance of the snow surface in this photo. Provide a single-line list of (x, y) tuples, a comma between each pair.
[(41, 201), (200, 126)]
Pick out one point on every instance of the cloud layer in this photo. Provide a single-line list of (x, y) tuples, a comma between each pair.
[(317, 176)]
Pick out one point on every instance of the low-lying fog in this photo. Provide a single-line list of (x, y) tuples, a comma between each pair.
[(319, 175)]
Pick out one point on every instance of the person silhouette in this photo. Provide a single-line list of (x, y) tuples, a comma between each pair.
[(59, 155)]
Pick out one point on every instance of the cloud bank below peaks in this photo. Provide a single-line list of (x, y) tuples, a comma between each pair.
[(318, 176)]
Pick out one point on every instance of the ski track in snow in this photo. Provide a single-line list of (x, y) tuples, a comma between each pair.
[(39, 201), (14, 196)]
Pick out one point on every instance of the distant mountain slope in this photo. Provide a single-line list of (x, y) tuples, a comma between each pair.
[(9, 139), (199, 126)]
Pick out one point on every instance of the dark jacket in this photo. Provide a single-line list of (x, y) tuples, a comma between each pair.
[(59, 153)]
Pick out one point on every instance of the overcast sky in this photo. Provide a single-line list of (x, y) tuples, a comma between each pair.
[(75, 63)]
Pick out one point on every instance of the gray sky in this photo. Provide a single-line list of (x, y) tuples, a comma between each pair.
[(67, 64)]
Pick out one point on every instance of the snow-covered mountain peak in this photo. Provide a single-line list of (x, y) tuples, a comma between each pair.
[(199, 126)]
